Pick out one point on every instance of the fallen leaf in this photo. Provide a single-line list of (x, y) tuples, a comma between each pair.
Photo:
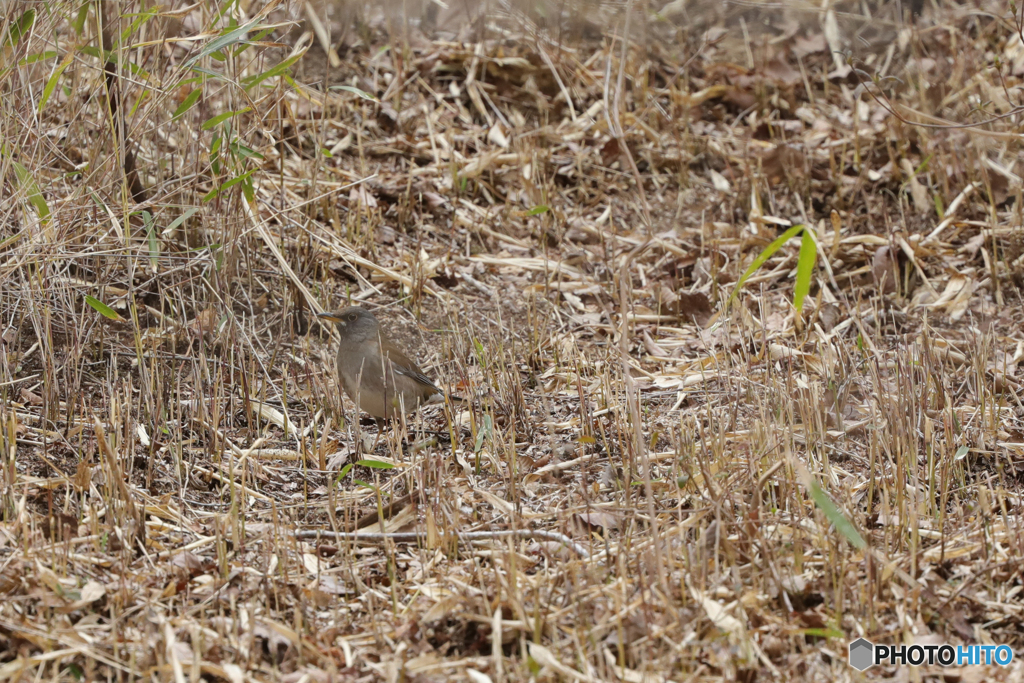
[(497, 136), (478, 676), (720, 183), (598, 521), (918, 192), (693, 307), (190, 562), (716, 612), (780, 71), (610, 152), (31, 397), (782, 162), (92, 591), (329, 583), (803, 46), (884, 269)]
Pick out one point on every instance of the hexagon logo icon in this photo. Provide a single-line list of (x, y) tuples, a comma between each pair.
[(862, 654)]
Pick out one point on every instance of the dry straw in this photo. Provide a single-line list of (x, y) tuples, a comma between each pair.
[(694, 449)]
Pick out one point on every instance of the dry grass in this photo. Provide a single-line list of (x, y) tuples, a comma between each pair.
[(650, 482)]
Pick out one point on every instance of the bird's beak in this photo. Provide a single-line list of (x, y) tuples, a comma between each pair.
[(330, 317)]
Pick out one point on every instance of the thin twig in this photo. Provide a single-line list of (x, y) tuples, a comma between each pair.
[(418, 537)]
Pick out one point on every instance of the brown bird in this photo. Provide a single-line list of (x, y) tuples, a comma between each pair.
[(375, 373)]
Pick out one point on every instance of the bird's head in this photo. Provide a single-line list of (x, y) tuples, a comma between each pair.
[(354, 324)]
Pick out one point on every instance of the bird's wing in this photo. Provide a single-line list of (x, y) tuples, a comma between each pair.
[(403, 366), (415, 374)]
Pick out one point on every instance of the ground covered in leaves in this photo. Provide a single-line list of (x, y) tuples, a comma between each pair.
[(688, 453)]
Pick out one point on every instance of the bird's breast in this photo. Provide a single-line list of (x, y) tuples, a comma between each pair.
[(358, 369)]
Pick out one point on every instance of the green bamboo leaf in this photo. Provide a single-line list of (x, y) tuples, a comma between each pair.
[(255, 40), (805, 268), (764, 256), (209, 72), (215, 153), (187, 103), (244, 152), (220, 118), (140, 19), (836, 517), (237, 179), (486, 431), (35, 197), (38, 57), (537, 210), (270, 73), (355, 91), (101, 308), (154, 245), (20, 27), (344, 471), (230, 183), (8, 241), (376, 464), (225, 40), (180, 219), (248, 190), (52, 83), (823, 633), (78, 23)]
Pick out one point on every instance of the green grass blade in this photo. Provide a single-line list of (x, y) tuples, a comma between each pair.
[(230, 183), (8, 241), (154, 244), (229, 38), (35, 197), (78, 23), (805, 268), (187, 103), (180, 219), (244, 152), (355, 91), (270, 73), (140, 19), (252, 41), (764, 256), (38, 57), (20, 27), (836, 517), (375, 464), (344, 471), (51, 84), (237, 179), (101, 308), (220, 118)]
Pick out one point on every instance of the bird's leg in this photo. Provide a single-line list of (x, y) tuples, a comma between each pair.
[(356, 433), (381, 426)]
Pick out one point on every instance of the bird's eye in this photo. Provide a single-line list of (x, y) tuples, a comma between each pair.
[(351, 317)]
